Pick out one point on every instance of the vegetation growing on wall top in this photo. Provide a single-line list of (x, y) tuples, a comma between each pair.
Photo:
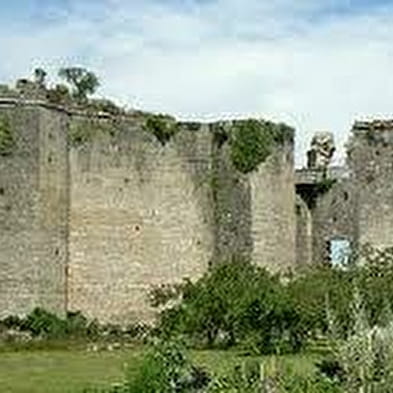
[(81, 132), (59, 95), (252, 141), (6, 136), (163, 127)]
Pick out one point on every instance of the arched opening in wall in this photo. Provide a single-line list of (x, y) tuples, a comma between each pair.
[(340, 251)]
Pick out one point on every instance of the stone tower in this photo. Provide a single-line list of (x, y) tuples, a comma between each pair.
[(33, 209), (353, 204), (370, 159)]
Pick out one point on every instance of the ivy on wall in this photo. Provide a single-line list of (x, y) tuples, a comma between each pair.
[(7, 140), (163, 127), (252, 141)]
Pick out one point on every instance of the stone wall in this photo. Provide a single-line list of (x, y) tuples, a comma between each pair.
[(358, 207), (273, 229), (33, 204), (254, 212), (143, 213), (140, 216), (304, 233), (371, 162), (333, 218), (95, 210)]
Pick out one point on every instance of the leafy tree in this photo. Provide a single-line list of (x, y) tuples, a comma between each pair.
[(234, 303), (83, 82)]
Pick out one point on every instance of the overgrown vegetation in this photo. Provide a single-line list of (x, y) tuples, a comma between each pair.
[(163, 127), (45, 325), (252, 141), (166, 368), (41, 329), (241, 306), (59, 95), (237, 304), (83, 131), (7, 140)]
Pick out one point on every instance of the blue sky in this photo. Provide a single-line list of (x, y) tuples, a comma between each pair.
[(315, 64)]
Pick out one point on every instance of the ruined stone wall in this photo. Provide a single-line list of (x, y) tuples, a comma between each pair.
[(231, 202), (143, 213), (273, 229), (333, 217), (140, 216), (371, 162), (95, 210), (358, 207), (304, 233), (33, 206)]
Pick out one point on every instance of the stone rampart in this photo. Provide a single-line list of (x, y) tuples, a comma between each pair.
[(95, 210)]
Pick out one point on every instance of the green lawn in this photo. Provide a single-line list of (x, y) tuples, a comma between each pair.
[(66, 371)]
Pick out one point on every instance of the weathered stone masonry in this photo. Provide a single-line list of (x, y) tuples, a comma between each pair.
[(358, 204), (92, 226), (33, 210), (95, 209)]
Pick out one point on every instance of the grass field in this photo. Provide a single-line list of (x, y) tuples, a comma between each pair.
[(70, 371)]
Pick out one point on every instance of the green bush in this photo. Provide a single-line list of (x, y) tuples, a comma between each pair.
[(59, 95), (165, 368), (163, 127), (363, 362), (235, 303), (252, 141), (239, 304), (11, 322), (45, 324), (319, 293), (375, 284)]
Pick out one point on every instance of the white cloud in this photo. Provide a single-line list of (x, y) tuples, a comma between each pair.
[(285, 60)]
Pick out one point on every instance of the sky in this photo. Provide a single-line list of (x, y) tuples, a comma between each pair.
[(317, 65)]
